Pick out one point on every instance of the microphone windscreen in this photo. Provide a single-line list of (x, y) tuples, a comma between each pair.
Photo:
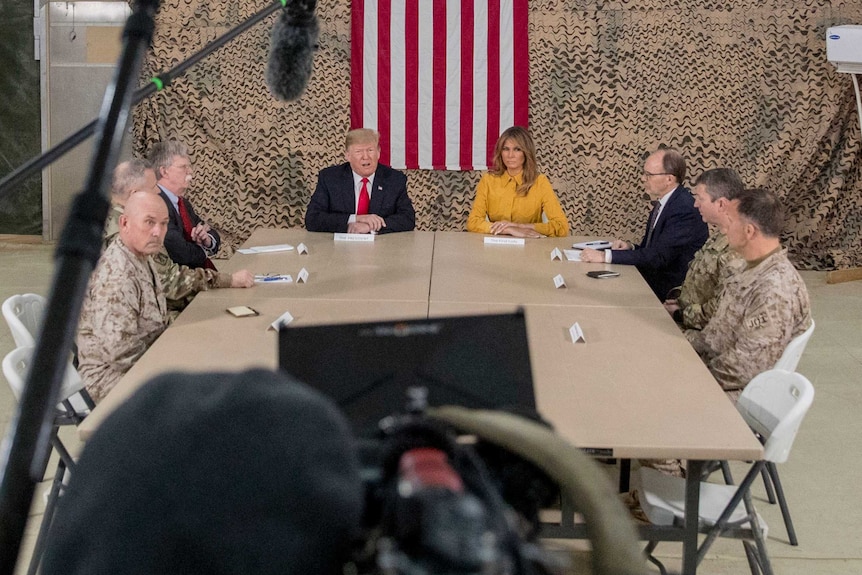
[(294, 39)]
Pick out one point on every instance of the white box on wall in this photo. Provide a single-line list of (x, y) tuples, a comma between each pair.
[(844, 48)]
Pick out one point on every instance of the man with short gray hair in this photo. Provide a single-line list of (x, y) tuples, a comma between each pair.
[(180, 283), (190, 241), (763, 307), (713, 263)]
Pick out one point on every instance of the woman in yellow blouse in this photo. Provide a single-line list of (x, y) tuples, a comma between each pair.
[(514, 194)]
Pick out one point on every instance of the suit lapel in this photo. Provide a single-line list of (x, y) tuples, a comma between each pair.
[(376, 193), (667, 210), (172, 212), (346, 193)]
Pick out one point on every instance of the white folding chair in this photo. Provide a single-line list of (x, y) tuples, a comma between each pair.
[(73, 408), (793, 352), (771, 481), (773, 404), (23, 313)]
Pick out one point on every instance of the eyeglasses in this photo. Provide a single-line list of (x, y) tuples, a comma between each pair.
[(182, 167), (645, 174)]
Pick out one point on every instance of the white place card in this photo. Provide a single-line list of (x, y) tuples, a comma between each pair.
[(576, 333), (302, 276), (497, 240), (266, 249), (559, 281), (573, 255), (302, 249), (282, 321), (556, 255), (354, 237)]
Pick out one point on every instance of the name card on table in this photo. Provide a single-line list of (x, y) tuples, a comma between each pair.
[(559, 281), (302, 250), (556, 255), (496, 240), (576, 333), (283, 320), (573, 255), (302, 276), (354, 237)]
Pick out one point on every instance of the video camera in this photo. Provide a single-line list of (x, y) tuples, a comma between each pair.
[(437, 502)]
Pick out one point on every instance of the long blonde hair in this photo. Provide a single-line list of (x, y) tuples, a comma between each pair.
[(522, 139)]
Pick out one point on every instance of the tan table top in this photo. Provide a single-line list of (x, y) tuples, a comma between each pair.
[(207, 338), (392, 267), (634, 389), (467, 270)]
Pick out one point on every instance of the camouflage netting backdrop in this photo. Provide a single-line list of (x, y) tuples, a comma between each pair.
[(729, 83)]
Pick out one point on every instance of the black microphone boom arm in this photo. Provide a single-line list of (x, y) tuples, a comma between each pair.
[(77, 254), (14, 179)]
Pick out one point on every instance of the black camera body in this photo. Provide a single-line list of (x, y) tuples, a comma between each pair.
[(435, 504)]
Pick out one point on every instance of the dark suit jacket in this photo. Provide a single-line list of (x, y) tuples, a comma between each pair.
[(334, 200), (183, 252), (678, 234)]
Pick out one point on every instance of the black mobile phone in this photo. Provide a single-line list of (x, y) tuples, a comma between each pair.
[(600, 274)]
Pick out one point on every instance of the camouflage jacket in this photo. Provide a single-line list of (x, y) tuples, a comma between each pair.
[(762, 308), (123, 314), (180, 283), (708, 271)]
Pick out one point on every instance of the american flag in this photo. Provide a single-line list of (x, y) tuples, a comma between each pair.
[(439, 79)]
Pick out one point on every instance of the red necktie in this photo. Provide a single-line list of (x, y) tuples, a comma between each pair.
[(187, 228), (362, 206), (187, 221)]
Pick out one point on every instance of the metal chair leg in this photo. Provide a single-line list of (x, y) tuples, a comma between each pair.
[(756, 529), (625, 475), (751, 556), (767, 484), (725, 472), (782, 503), (47, 518)]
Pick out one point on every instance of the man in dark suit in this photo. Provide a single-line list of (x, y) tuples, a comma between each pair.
[(190, 241), (674, 232), (360, 196)]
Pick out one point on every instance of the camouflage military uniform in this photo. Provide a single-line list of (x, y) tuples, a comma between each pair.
[(123, 314), (180, 283), (762, 308), (708, 271)]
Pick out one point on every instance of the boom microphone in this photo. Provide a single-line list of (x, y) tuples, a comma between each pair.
[(294, 40)]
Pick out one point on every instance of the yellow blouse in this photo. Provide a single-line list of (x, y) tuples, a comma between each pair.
[(496, 200)]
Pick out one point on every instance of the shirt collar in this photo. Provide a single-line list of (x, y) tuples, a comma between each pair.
[(357, 181), (664, 199), (171, 196)]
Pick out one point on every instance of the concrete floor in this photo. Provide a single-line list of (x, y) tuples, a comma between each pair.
[(823, 500)]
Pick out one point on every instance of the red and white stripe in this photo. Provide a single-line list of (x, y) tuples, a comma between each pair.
[(439, 79)]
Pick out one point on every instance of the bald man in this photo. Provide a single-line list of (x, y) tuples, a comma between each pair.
[(180, 283), (125, 309)]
